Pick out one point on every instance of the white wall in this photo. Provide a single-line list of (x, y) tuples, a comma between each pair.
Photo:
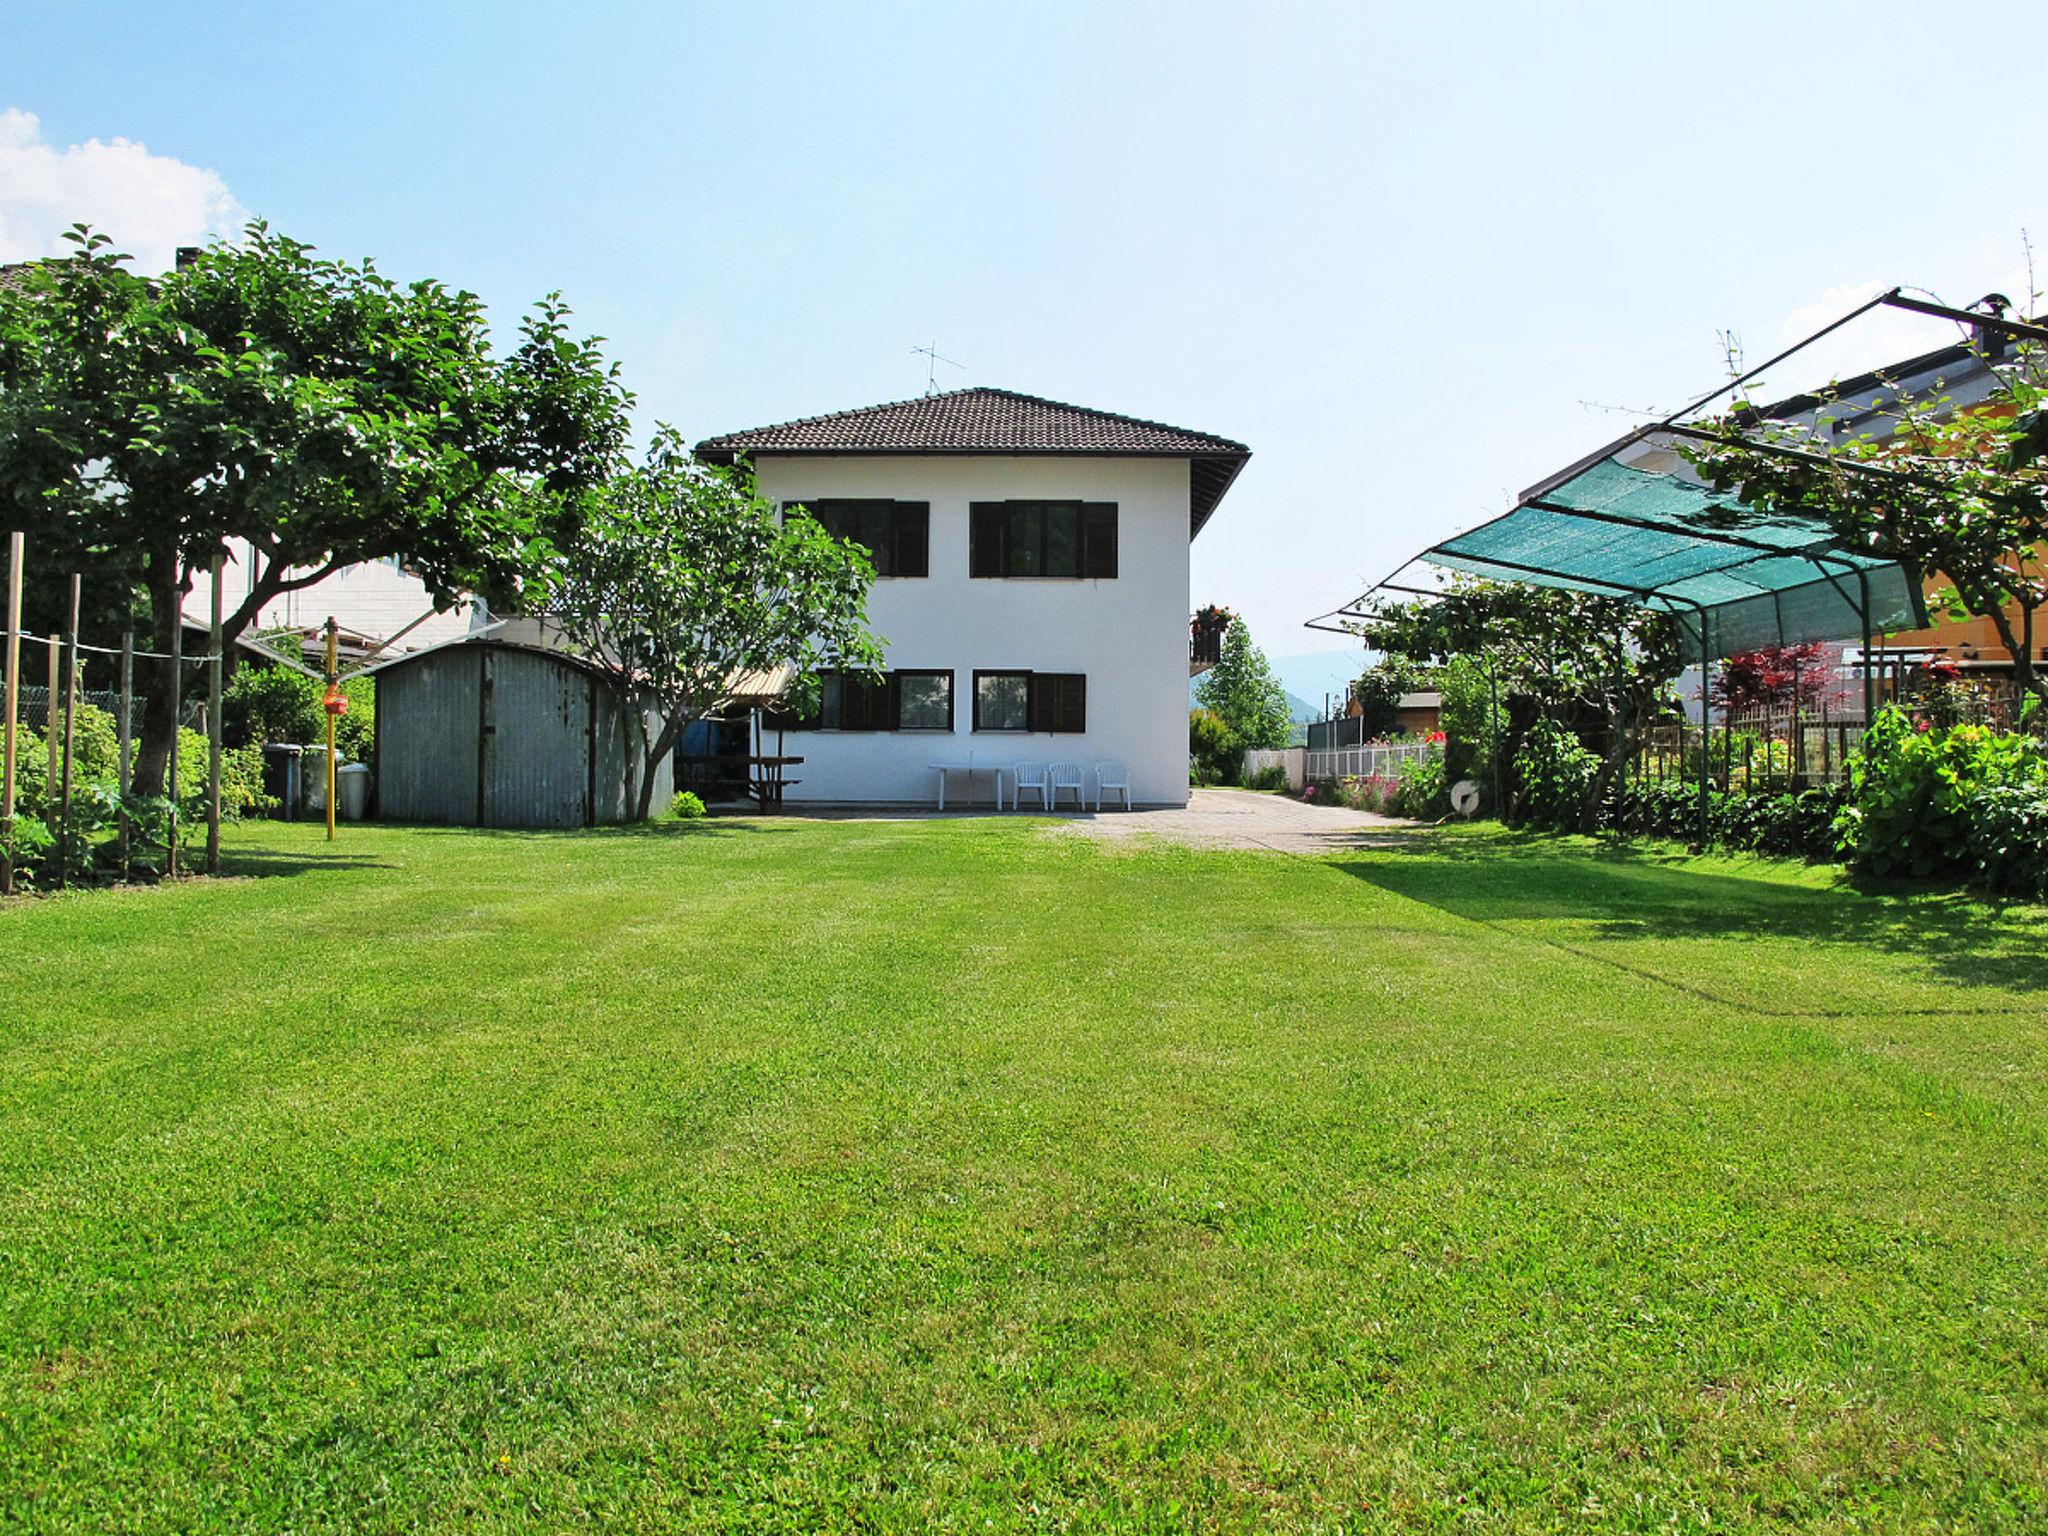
[(1129, 635)]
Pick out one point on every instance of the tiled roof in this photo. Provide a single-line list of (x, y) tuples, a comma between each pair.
[(15, 274), (995, 421)]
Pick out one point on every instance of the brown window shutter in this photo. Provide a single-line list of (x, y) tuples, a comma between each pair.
[(913, 538), (1074, 704), (1098, 539), (985, 538)]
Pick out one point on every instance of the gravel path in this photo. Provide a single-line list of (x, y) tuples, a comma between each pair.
[(1236, 818)]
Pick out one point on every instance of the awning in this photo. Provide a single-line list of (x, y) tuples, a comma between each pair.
[(1734, 578)]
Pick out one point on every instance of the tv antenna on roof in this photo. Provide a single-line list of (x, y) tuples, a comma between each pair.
[(932, 360)]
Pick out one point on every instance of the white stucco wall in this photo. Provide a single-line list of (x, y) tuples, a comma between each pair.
[(1128, 635)]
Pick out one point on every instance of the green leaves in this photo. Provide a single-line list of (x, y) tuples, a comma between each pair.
[(683, 580), (1242, 690)]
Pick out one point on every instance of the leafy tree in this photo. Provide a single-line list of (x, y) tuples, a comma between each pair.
[(318, 410), (684, 579), (1243, 691), (1572, 658), (1377, 691), (1774, 676), (1215, 754), (1961, 494)]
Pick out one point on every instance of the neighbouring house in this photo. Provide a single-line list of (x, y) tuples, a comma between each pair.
[(1962, 376), (374, 603), (1032, 587), (486, 734)]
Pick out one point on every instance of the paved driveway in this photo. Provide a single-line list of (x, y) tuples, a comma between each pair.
[(1237, 818)]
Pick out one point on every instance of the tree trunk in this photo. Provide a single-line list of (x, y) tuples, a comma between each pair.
[(651, 757), (159, 719)]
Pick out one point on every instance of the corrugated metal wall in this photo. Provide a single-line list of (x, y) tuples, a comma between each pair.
[(483, 735), (537, 744), (427, 738)]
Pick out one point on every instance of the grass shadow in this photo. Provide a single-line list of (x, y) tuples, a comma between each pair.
[(1597, 893)]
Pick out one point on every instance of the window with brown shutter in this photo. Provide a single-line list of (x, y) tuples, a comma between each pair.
[(1056, 539), (896, 534), (911, 699), (1059, 702)]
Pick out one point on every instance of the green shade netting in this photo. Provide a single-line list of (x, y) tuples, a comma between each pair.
[(1734, 578)]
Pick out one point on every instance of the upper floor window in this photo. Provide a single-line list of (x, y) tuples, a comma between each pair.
[(1042, 538), (896, 534)]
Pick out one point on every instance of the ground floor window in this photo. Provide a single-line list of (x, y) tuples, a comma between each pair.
[(1031, 701), (910, 699)]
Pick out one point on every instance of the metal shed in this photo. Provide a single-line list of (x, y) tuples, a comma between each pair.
[(484, 733)]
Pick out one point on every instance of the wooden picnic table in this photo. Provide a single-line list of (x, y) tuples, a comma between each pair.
[(765, 778)]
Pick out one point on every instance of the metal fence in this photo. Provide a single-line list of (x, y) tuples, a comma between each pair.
[(1370, 760), (33, 710)]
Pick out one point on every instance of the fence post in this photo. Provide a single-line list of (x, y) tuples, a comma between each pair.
[(70, 740), (50, 742), (177, 709), (11, 689), (333, 682), (123, 743), (213, 681)]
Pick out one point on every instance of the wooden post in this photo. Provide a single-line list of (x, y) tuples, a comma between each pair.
[(50, 741), (213, 688), (11, 688), (333, 681), (124, 768), (177, 707), (70, 741)]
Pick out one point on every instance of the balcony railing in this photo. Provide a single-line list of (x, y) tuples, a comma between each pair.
[(1205, 649)]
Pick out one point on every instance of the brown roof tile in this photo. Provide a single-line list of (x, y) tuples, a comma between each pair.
[(995, 421)]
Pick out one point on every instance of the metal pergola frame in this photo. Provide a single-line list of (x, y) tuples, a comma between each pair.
[(1831, 564)]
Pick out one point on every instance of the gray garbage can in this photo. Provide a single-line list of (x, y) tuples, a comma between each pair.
[(281, 778), (352, 791)]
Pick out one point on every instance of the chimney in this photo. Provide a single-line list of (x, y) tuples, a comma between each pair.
[(187, 255)]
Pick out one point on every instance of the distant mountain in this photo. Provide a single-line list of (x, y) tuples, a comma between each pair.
[(1298, 708)]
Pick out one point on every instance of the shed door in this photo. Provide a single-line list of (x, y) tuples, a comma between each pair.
[(536, 742), (427, 739)]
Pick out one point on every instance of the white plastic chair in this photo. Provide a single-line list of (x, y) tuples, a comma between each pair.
[(1112, 777), (1066, 776), (1032, 776)]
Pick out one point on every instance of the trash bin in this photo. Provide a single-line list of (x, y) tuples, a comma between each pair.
[(281, 778), (352, 791)]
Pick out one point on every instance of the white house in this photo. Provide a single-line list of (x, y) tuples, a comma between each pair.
[(1032, 591)]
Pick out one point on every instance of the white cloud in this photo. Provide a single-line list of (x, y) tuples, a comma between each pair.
[(1880, 336), (150, 204)]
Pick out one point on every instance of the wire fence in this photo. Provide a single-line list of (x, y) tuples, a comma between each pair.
[(33, 709)]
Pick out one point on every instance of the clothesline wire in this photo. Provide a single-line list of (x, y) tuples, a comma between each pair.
[(114, 650)]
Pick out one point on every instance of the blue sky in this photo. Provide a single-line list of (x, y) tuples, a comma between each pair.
[(1395, 249)]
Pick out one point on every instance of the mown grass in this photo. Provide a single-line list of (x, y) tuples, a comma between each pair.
[(949, 1175)]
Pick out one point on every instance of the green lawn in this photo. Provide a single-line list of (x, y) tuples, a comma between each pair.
[(954, 1175)]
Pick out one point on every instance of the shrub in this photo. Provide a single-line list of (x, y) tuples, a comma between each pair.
[(1215, 755), (2009, 837), (1272, 776), (1912, 790), (1556, 772), (264, 704), (1423, 791), (687, 805)]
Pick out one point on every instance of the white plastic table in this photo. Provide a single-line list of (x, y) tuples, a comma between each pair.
[(967, 771)]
